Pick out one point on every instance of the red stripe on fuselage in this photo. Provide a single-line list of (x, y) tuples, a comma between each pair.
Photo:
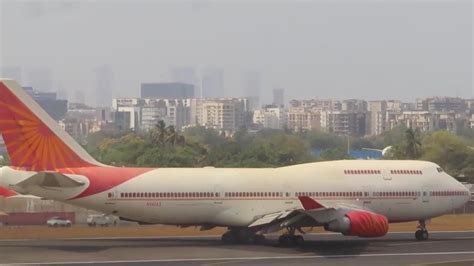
[(104, 178)]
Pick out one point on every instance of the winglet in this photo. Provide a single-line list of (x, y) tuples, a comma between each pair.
[(309, 204), (6, 193)]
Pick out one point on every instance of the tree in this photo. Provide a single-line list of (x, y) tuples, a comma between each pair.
[(412, 144), (451, 152), (409, 148), (5, 161), (159, 134), (172, 135)]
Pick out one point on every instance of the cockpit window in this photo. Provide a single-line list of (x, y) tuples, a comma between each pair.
[(440, 170)]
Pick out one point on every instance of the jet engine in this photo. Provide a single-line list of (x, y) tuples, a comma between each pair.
[(359, 223)]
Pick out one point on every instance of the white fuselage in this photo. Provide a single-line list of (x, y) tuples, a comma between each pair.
[(399, 190)]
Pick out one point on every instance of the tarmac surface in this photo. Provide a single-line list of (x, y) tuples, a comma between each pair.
[(443, 248)]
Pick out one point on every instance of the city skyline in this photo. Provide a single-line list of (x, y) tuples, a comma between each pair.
[(372, 50)]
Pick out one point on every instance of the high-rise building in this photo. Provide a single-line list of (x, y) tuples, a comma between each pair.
[(226, 114), (104, 86), (184, 74), (344, 122), (303, 118), (279, 97), (441, 104), (354, 105), (57, 109), (252, 89), (79, 97), (213, 83), (270, 116), (172, 90), (320, 105), (128, 117), (152, 113), (377, 117)]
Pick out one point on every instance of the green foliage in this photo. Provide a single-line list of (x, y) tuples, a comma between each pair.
[(6, 160), (410, 147), (449, 151), (324, 140), (334, 154), (122, 151), (199, 146), (164, 147)]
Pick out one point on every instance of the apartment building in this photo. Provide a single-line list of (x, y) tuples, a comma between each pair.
[(270, 116), (303, 118), (223, 114), (344, 122)]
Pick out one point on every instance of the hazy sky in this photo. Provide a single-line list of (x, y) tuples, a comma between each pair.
[(314, 49)]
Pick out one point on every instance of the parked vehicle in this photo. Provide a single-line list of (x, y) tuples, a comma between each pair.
[(101, 220), (58, 222)]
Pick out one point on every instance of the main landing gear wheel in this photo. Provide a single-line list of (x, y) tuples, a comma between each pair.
[(229, 237), (422, 233), (290, 239), (259, 239)]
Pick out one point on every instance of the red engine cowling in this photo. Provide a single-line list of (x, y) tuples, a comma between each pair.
[(366, 224)]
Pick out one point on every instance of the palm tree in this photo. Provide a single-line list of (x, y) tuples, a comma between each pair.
[(159, 133), (412, 144), (172, 135), (181, 140)]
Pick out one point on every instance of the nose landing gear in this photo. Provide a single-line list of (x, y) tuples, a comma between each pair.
[(422, 233)]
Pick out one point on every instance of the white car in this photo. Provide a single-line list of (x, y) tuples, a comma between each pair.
[(101, 220), (58, 221)]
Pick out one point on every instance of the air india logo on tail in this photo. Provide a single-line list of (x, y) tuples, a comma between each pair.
[(36, 143), (30, 143)]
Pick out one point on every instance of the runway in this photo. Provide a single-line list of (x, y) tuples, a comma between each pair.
[(450, 248)]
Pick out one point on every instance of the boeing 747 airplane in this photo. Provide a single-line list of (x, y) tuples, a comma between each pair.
[(356, 198)]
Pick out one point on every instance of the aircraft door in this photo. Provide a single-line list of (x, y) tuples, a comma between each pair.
[(386, 174), (219, 194), (425, 196)]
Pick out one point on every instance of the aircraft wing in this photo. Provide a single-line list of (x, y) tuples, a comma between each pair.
[(371, 149), (341, 216), (271, 217)]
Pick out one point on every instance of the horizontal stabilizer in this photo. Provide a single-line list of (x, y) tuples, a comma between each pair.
[(51, 179)]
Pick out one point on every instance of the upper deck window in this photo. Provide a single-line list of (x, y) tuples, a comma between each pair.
[(440, 170)]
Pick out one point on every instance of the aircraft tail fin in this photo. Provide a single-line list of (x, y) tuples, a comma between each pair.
[(35, 141)]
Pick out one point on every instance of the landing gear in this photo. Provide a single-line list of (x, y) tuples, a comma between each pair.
[(259, 239), (242, 236), (290, 239), (422, 233)]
